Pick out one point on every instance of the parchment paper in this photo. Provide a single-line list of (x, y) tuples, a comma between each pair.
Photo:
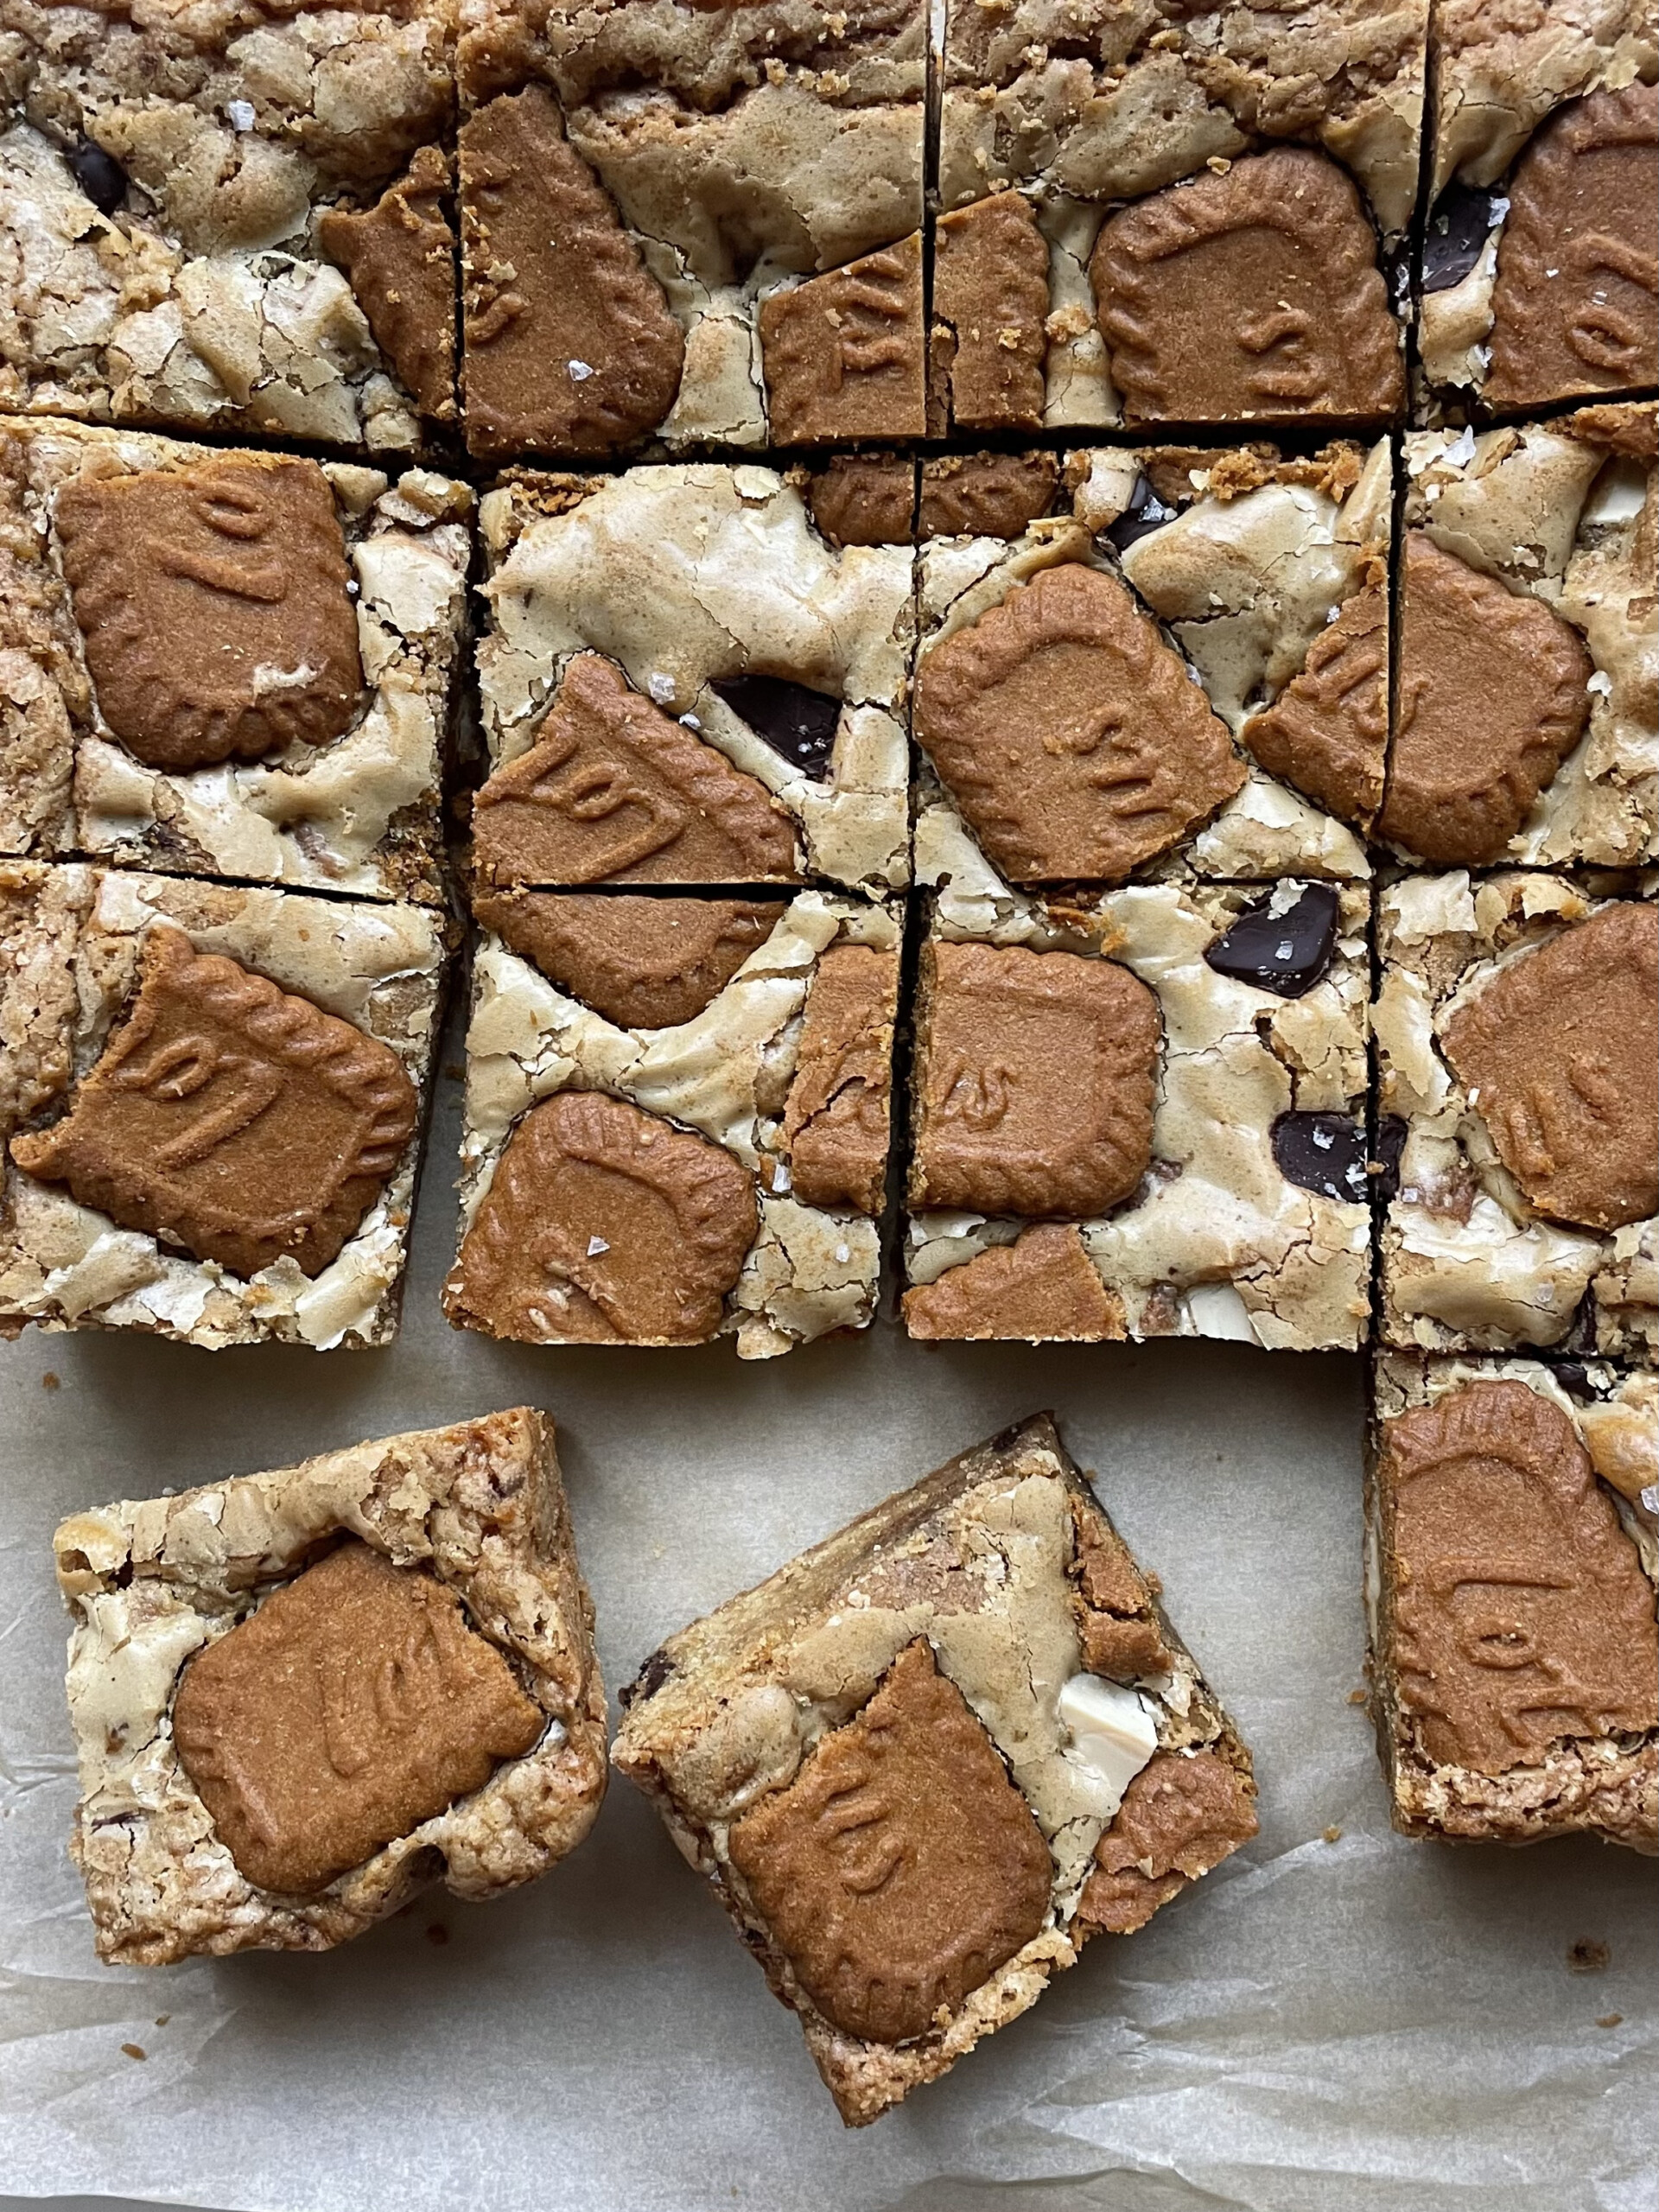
[(1364, 2023)]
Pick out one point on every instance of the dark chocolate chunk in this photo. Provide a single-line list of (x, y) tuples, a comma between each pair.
[(98, 175), (650, 1679), (796, 722), (1324, 1152), (1285, 952), (1574, 1378), (1457, 231), (1391, 1134), (1145, 513)]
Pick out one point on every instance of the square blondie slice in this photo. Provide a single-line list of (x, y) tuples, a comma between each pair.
[(300, 1697), (1536, 279), (1141, 1115), (1191, 214), (696, 225), (233, 664), (1518, 1037), (931, 1756), (677, 1118), (1185, 668), (684, 682), (210, 1102), (232, 219), (1511, 1543)]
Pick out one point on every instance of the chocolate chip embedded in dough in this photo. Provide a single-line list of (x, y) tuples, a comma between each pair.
[(569, 344), (1280, 946), (986, 494), (865, 499), (99, 175), (843, 353), (230, 1117), (356, 1703), (1040, 1289), (1325, 1153), (1327, 733), (614, 791), (990, 304), (798, 723), (399, 259), (1145, 513), (644, 964), (604, 1224), (1036, 1082), (1491, 698), (1560, 1055), (1518, 1610), (213, 604), (1070, 734), (1252, 295), (901, 1867), (1463, 219), (835, 1123), (1575, 302), (1181, 1815)]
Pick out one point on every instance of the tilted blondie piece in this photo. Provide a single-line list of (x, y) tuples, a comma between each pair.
[(1526, 719), (211, 1102), (302, 1697), (1173, 215), (695, 224), (677, 1119), (684, 682), (1537, 275), (933, 1755), (227, 664), (231, 218), (1511, 1531), (1190, 669), (1142, 1115), (1518, 1040)]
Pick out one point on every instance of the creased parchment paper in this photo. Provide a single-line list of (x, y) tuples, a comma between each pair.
[(1363, 2023)]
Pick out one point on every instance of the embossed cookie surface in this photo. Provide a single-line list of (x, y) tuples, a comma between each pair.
[(1492, 699), (990, 303), (213, 602), (230, 1117), (644, 964), (604, 1224), (865, 499), (901, 1867), (1520, 1611), (570, 345), (399, 259), (1069, 733), (1327, 732), (1575, 304), (356, 1703), (843, 353), (1180, 1817), (1041, 1288), (1252, 293), (1560, 1052), (836, 1122), (614, 791), (985, 494), (1037, 1081)]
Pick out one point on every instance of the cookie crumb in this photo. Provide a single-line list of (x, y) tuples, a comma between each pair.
[(1358, 1697), (1333, 1835), (162, 2019), (134, 2050), (51, 1381), (437, 1933), (453, 1071), (1588, 1956), (1610, 2020)]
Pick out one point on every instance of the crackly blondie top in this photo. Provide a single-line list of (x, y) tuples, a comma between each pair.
[(231, 216), (717, 1169), (441, 1714), (685, 635), (1188, 668), (1516, 1041), (301, 735), (929, 1758), (211, 1099), (1511, 1555), (1142, 1115)]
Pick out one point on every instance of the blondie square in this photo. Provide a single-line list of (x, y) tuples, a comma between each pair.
[(1187, 668), (231, 218), (1187, 214), (1536, 281), (692, 225), (300, 1698), (225, 664), (677, 1119), (685, 683), (1511, 1529), (210, 1102), (931, 1756), (1142, 1114), (1518, 1037)]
